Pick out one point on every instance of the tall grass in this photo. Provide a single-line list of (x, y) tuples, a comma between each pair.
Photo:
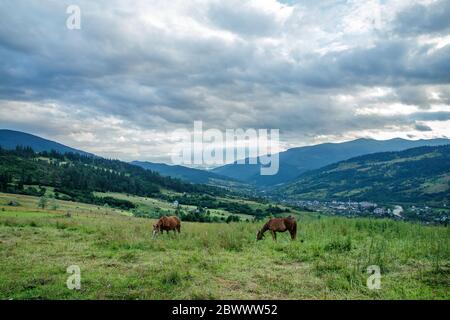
[(119, 259)]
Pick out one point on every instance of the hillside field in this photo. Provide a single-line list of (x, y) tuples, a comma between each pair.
[(119, 259), (153, 205)]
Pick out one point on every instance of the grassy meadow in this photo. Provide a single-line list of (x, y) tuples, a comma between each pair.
[(119, 259)]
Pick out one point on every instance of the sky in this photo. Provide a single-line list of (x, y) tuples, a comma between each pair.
[(136, 71)]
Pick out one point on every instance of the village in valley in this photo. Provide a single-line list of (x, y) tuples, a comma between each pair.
[(425, 213)]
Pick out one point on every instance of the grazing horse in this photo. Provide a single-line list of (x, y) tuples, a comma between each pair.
[(167, 223), (279, 225)]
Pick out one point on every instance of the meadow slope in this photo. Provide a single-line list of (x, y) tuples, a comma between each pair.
[(119, 260)]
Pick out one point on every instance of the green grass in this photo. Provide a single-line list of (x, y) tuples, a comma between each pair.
[(119, 259), (148, 204)]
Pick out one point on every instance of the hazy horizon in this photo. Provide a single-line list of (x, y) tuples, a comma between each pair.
[(207, 168)]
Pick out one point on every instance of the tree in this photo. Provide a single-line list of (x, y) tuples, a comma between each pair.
[(42, 202), (232, 218), (54, 204)]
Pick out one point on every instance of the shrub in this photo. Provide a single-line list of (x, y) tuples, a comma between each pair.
[(339, 245)]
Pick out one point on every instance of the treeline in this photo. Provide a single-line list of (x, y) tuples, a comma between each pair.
[(88, 197), (209, 202), (80, 175), (194, 215), (71, 195), (203, 215)]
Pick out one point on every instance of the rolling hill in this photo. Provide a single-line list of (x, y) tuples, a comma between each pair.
[(76, 177), (296, 161), (418, 175), (10, 139)]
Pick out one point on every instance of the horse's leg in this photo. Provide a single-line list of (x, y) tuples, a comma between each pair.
[(274, 235), (179, 229)]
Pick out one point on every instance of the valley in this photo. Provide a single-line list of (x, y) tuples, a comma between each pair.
[(415, 179), (59, 210)]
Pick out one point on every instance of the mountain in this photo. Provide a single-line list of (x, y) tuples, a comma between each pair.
[(77, 171), (10, 139), (181, 172), (296, 161), (418, 175)]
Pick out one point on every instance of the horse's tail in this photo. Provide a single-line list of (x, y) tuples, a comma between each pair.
[(294, 230)]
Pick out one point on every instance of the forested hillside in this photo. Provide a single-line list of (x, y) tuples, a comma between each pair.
[(416, 175), (76, 176), (296, 161), (183, 173)]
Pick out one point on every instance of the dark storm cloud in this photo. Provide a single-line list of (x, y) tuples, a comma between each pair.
[(414, 96), (424, 19), (431, 116), (389, 63), (422, 127)]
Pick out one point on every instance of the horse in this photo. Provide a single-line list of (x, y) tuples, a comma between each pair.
[(167, 224), (279, 225)]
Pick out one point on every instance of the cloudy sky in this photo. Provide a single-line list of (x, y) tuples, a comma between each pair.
[(137, 70)]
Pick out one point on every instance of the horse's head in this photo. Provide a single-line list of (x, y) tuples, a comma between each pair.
[(259, 235), (156, 229)]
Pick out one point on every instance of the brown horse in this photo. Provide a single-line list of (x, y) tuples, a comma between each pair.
[(167, 224), (279, 225)]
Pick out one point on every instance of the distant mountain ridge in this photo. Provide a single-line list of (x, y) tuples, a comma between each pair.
[(10, 139), (293, 163), (296, 161), (414, 175), (181, 172)]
